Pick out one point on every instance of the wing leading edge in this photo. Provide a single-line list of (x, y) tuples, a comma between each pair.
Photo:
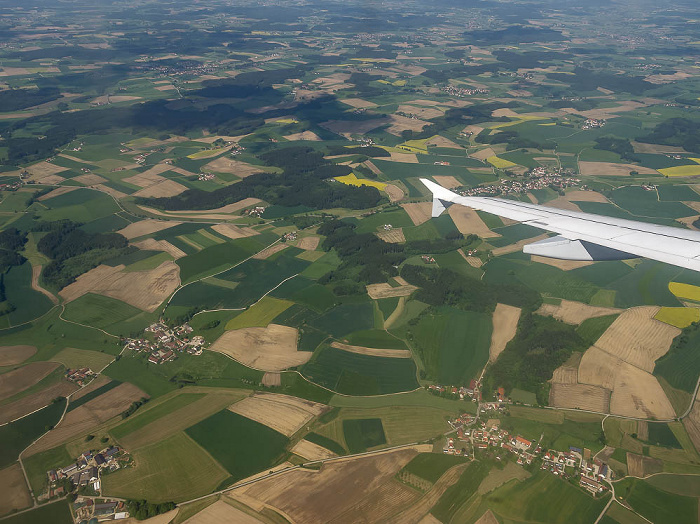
[(584, 236)]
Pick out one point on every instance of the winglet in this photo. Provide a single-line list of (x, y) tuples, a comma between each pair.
[(442, 197)]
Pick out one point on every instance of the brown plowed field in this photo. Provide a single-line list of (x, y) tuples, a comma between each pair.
[(143, 289), (271, 348), (311, 451), (638, 393), (31, 403), (512, 248), (377, 291), (394, 236), (234, 232), (146, 227), (92, 386), (565, 375), (162, 188), (638, 338), (222, 513), (612, 169), (279, 412), (505, 324), (321, 496), (468, 221), (395, 192), (487, 518), (57, 192), (86, 417), (20, 379), (415, 513), (309, 243), (13, 355), (272, 379), (160, 245), (389, 353), (269, 251), (564, 265), (575, 312), (418, 211), (449, 182), (581, 396), (13, 490)]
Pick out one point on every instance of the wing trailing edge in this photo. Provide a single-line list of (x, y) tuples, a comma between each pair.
[(584, 236)]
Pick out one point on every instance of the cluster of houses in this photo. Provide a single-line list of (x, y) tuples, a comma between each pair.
[(84, 472), (593, 123), (462, 91), (80, 376), (256, 211), (202, 177), (539, 178), (167, 343), (86, 509), (471, 392), (591, 471), (427, 259), (441, 163), (289, 237), (565, 464), (14, 186), (649, 187)]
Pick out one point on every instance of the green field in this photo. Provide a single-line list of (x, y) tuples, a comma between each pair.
[(545, 498), (259, 315), (242, 446), (16, 436), (681, 365), (453, 344), (657, 505), (99, 311), (685, 485), (457, 494), (151, 415), (346, 318), (375, 338), (216, 258), (363, 434), (55, 512), (174, 469), (37, 465), (78, 358), (355, 374), (29, 304), (592, 329), (431, 466)]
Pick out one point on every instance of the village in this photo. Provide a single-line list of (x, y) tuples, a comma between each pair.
[(573, 464), (167, 343), (84, 476), (538, 178)]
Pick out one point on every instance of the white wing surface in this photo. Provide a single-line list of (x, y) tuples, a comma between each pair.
[(584, 236)]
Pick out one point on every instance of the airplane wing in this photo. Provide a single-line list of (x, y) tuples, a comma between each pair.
[(584, 236)]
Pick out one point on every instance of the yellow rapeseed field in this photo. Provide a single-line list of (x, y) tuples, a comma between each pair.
[(685, 291), (690, 170), (352, 180), (679, 317), (500, 163)]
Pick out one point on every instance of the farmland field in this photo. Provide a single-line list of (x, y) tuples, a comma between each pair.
[(453, 344), (355, 374), (153, 414), (431, 466), (174, 469), (16, 436), (525, 500), (657, 505), (362, 434), (240, 445)]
